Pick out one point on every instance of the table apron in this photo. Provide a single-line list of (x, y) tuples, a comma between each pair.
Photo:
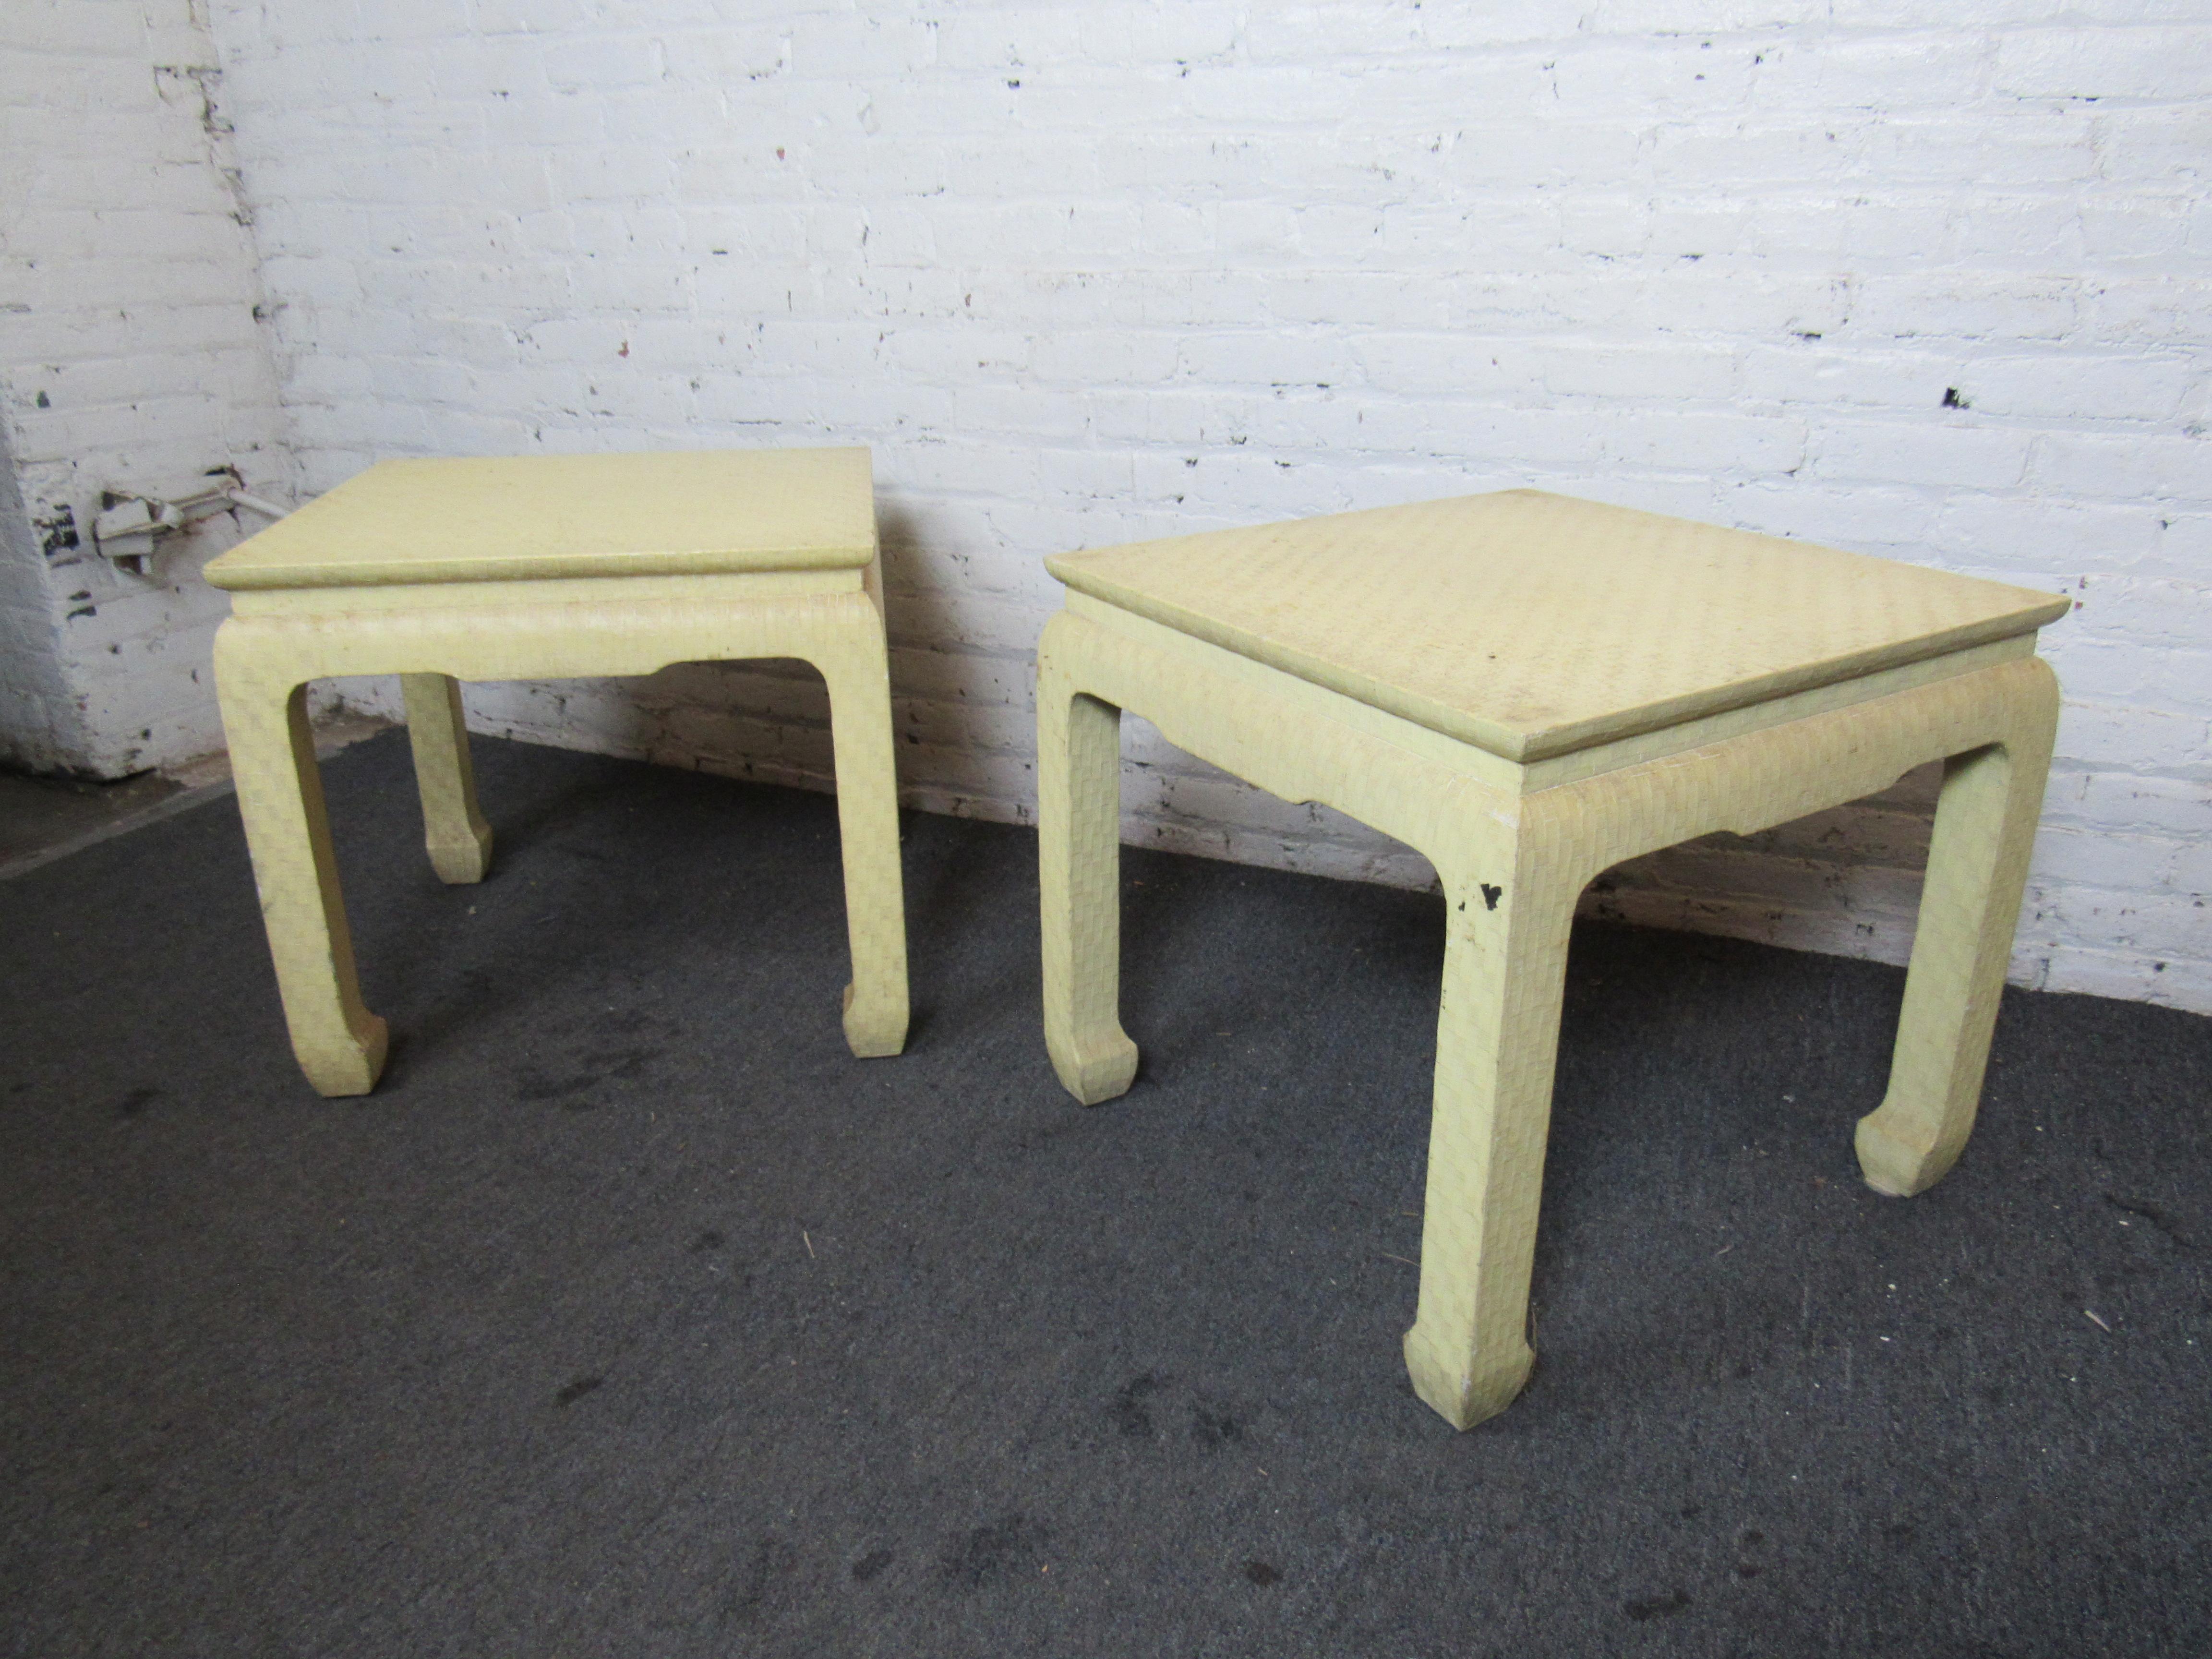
[(1305, 743), (556, 641)]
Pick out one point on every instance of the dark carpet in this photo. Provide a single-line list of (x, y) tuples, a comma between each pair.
[(631, 1316)]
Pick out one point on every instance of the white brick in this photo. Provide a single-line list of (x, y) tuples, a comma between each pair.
[(2155, 146), (1700, 19), (1869, 378), (2145, 232), (2159, 741), (2053, 537), (2192, 868), (1889, 71), (1668, 77), (2180, 807), (2125, 468), (2158, 64), (2151, 308), (2029, 149), (1964, 306), (1487, 155), (1705, 443), (2167, 615), (2104, 974), (2161, 926), (1921, 451), (1892, 520), (2100, 858)]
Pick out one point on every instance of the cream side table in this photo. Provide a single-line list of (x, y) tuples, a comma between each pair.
[(545, 566), (1528, 690)]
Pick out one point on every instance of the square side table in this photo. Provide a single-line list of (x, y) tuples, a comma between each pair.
[(545, 566), (1529, 689)]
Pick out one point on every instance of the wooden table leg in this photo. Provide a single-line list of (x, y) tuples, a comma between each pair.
[(340, 1043), (1079, 862), (455, 831), (1977, 858), (1497, 1031), (876, 1007)]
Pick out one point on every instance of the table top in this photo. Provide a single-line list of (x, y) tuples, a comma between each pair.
[(1532, 624), (522, 517)]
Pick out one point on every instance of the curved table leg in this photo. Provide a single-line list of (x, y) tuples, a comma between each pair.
[(340, 1043), (858, 673), (1080, 870), (1978, 858), (1498, 1035), (453, 829)]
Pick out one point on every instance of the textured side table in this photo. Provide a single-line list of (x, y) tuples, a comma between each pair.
[(1529, 689), (546, 566)]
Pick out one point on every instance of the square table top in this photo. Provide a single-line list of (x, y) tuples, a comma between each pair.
[(522, 517), (1531, 624)]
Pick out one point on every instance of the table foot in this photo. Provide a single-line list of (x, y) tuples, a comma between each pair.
[(875, 1029), (338, 1064), (1464, 1398), (1895, 1167), (1094, 1071)]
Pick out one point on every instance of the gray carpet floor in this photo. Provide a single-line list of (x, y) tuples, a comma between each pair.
[(631, 1316)]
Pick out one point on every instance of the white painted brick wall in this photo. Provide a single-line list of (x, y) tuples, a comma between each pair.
[(36, 714), (1082, 273), (131, 359)]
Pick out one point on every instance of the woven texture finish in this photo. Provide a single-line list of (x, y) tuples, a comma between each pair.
[(517, 518), (1532, 625), (434, 629), (1420, 668)]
